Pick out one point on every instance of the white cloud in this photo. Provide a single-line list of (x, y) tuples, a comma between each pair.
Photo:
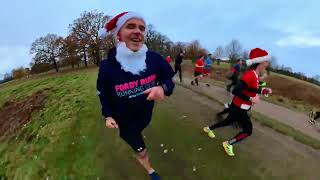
[(300, 41), (12, 57), (298, 35), (295, 25)]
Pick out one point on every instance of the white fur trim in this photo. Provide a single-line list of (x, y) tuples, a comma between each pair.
[(123, 19), (134, 62), (258, 60)]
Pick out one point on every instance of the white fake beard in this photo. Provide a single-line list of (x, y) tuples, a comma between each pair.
[(134, 62)]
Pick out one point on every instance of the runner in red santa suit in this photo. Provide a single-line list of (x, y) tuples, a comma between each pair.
[(129, 81), (245, 96), (168, 59), (198, 70)]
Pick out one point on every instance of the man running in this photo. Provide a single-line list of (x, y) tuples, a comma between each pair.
[(177, 65), (198, 70), (207, 67), (245, 96), (235, 74), (129, 81)]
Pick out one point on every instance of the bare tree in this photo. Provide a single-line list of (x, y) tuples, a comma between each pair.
[(317, 77), (47, 50), (150, 36), (157, 41), (218, 53), (7, 76), (233, 50), (274, 63), (194, 49), (177, 48), (85, 29), (289, 69), (244, 55), (70, 51)]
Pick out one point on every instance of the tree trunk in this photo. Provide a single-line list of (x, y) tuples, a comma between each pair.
[(85, 57), (55, 64), (98, 57)]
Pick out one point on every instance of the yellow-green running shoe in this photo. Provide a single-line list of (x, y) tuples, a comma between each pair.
[(209, 132), (228, 148), (311, 117), (206, 129)]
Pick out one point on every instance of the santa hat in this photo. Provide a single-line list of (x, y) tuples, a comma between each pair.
[(114, 25), (257, 55)]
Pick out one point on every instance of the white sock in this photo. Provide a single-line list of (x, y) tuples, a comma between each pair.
[(151, 171)]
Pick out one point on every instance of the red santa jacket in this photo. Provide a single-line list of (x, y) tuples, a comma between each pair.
[(246, 89)]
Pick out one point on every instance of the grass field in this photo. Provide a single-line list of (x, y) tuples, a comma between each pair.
[(67, 140)]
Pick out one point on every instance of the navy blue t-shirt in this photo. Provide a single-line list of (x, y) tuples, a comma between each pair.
[(121, 93)]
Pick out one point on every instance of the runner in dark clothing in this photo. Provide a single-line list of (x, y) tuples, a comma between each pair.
[(235, 75), (177, 65), (129, 81)]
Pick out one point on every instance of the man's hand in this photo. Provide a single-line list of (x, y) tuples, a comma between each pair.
[(111, 123), (255, 100), (266, 91), (199, 66), (154, 93)]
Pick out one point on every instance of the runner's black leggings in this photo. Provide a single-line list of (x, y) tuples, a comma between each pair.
[(225, 111), (236, 115), (176, 69), (317, 116), (234, 82)]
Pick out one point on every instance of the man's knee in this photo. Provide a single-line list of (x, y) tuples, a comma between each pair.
[(247, 129), (143, 154)]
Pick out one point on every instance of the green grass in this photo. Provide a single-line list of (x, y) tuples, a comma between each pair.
[(66, 129), (67, 140), (296, 80), (304, 105), (298, 106)]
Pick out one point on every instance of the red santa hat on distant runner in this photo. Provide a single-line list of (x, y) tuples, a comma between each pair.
[(113, 26), (257, 55)]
